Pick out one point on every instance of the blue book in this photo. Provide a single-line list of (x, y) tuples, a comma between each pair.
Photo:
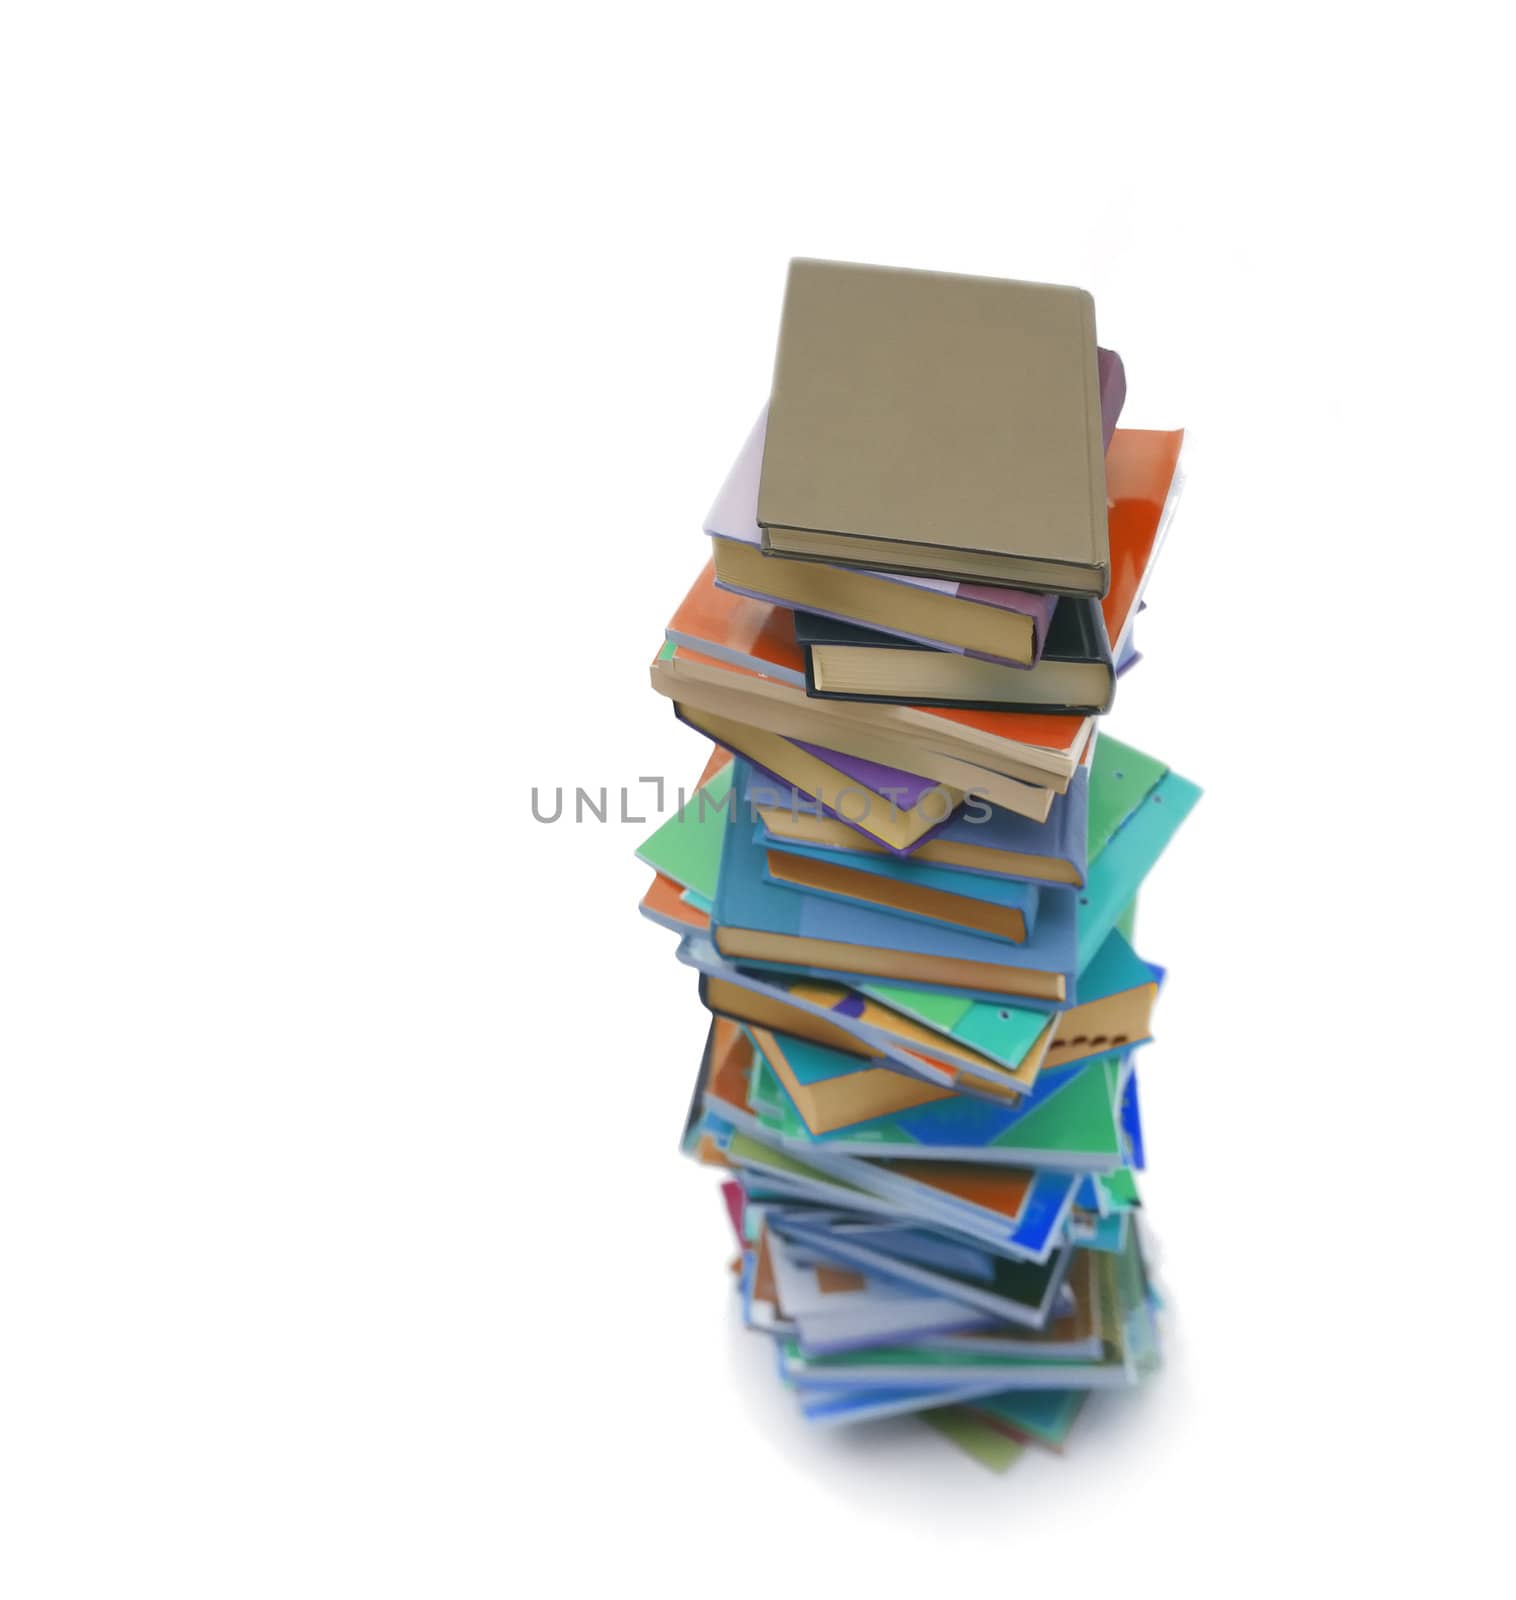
[(998, 908), (1122, 859), (1071, 1121), (762, 924)]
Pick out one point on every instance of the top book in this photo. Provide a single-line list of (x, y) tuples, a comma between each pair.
[(938, 425)]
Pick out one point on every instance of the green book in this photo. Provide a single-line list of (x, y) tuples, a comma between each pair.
[(687, 846)]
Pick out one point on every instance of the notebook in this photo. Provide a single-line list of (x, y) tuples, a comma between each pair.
[(938, 424)]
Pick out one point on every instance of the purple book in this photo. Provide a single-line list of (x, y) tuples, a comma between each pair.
[(1112, 390), (789, 798), (905, 789)]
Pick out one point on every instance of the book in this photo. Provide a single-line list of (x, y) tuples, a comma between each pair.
[(1111, 371), (757, 922), (834, 1088), (1076, 675), (991, 623), (979, 838), (891, 808), (1077, 670), (1011, 1290), (944, 743), (1071, 1122), (1144, 480), (1122, 1298), (849, 1021), (1109, 788), (816, 776), (1118, 870), (999, 908), (831, 1309), (940, 424), (956, 1041), (686, 846)]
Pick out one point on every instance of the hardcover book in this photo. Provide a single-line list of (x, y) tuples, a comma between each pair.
[(999, 908), (889, 808), (1075, 676), (940, 424), (979, 838), (946, 744)]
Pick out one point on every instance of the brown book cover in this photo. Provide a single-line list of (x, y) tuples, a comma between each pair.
[(937, 424)]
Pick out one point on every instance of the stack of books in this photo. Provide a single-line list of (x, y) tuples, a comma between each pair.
[(906, 877)]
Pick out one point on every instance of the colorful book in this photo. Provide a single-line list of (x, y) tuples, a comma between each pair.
[(760, 923), (889, 807), (834, 1089), (1071, 1122), (945, 743), (1138, 806), (1106, 791), (953, 1039)]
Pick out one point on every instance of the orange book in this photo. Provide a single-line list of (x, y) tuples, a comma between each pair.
[(737, 630), (1139, 470), (665, 904), (998, 1189), (756, 639)]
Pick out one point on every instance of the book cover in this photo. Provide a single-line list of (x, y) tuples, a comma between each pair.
[(1003, 908), (1075, 676), (937, 423), (979, 838), (892, 808), (1072, 1122)]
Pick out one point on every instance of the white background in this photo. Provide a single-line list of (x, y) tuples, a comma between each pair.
[(366, 372)]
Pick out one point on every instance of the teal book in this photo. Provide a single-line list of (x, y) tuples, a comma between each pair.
[(1071, 1121), (687, 845), (1136, 805), (758, 923), (1005, 1034), (999, 1031), (1127, 857)]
